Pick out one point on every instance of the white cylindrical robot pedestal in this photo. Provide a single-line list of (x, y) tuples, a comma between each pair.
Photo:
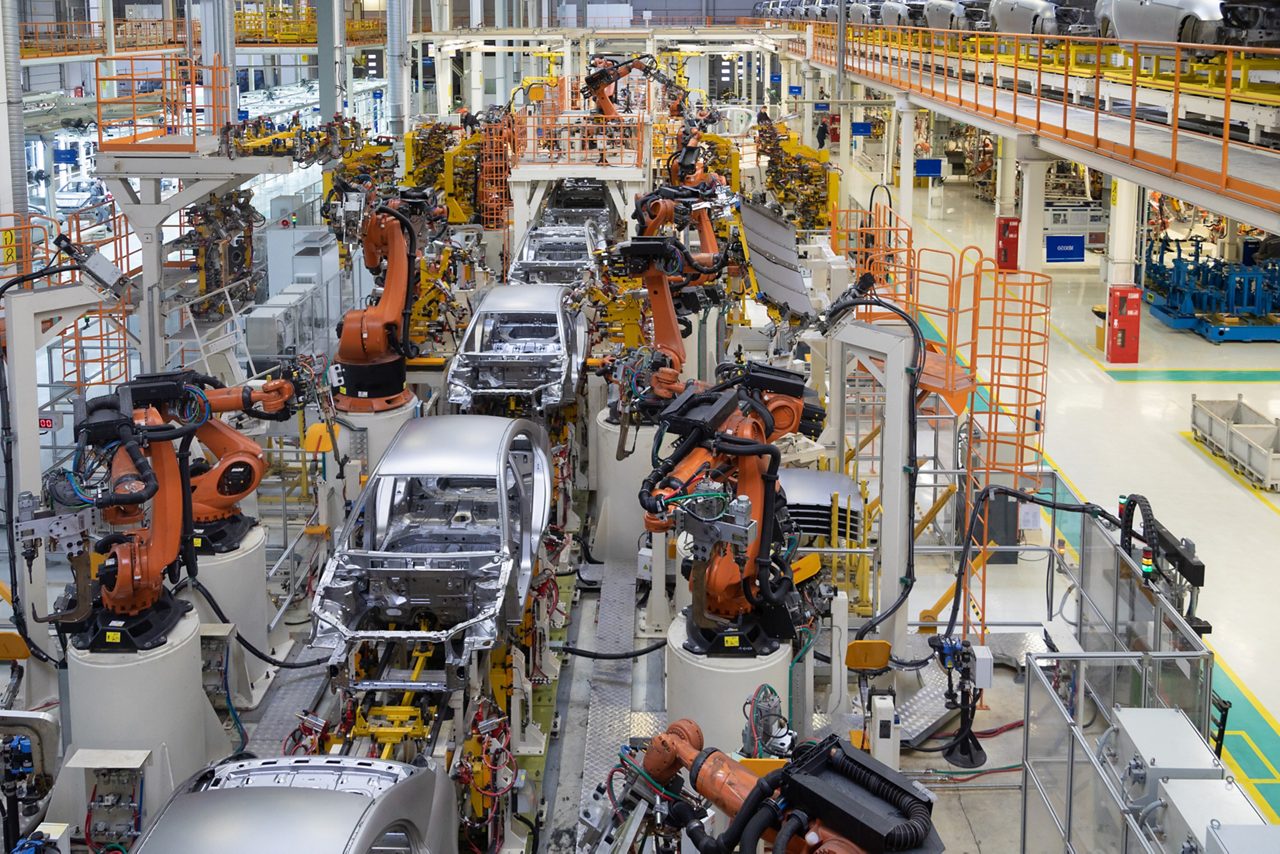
[(152, 700), (710, 691), (621, 520), (238, 581), (373, 431)]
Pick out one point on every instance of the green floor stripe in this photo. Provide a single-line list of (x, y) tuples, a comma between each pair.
[(1270, 792), (1178, 375), (1243, 754)]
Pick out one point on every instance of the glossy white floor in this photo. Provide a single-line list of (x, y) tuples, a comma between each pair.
[(1113, 430)]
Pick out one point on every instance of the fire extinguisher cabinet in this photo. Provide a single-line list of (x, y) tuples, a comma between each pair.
[(1007, 228), (1124, 320)]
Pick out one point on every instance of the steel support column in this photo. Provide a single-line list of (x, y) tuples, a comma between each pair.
[(1122, 233), (906, 158), (1031, 236), (1007, 178)]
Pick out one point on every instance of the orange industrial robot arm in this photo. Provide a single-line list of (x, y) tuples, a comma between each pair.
[(370, 373), (601, 84), (126, 461), (805, 807), (216, 491), (719, 486), (132, 575), (674, 270)]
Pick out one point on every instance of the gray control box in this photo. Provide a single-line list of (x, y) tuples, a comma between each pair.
[(1148, 745)]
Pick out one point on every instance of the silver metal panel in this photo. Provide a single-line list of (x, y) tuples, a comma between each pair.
[(1243, 839), (447, 444), (771, 248), (611, 720), (547, 298), (1195, 805)]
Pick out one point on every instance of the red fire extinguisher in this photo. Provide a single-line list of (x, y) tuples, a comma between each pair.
[(1007, 228)]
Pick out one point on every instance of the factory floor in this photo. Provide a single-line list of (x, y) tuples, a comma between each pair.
[(1113, 430)]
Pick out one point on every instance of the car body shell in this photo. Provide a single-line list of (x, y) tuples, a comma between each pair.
[(461, 564), (896, 13), (1190, 21), (1040, 17), (316, 804), (525, 341), (955, 14)]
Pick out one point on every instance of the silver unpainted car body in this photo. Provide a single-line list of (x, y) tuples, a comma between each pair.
[(863, 14), (897, 13), (558, 255), (445, 533), (1040, 17), (524, 341), (1188, 21), (316, 804), (955, 14)]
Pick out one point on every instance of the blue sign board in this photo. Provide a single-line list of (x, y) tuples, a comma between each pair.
[(775, 78), (929, 167), (242, 115), (860, 128), (1064, 248), (795, 90), (65, 155)]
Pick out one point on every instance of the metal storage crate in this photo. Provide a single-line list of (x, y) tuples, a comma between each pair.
[(1212, 420), (1254, 451)]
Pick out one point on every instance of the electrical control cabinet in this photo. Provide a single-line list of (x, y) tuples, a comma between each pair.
[(1191, 807), (1145, 746)]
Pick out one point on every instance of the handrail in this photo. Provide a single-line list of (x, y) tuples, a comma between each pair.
[(989, 75)]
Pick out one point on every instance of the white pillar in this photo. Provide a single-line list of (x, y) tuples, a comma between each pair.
[(906, 158), (809, 135), (1007, 178), (444, 84), (399, 78), (502, 62), (846, 153), (784, 66), (1031, 234), (476, 58), (1122, 233)]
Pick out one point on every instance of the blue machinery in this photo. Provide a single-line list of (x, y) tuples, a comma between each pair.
[(1217, 300)]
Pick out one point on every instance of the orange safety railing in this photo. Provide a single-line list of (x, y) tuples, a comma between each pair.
[(1018, 80), (152, 35), (554, 138), (26, 245), (61, 38), (73, 38), (95, 350), (495, 172), (1006, 425), (982, 326), (159, 103)]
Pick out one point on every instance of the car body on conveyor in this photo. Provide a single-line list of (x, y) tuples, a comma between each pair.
[(444, 535), (897, 13), (317, 804), (955, 14), (525, 341), (1186, 21), (1041, 17)]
